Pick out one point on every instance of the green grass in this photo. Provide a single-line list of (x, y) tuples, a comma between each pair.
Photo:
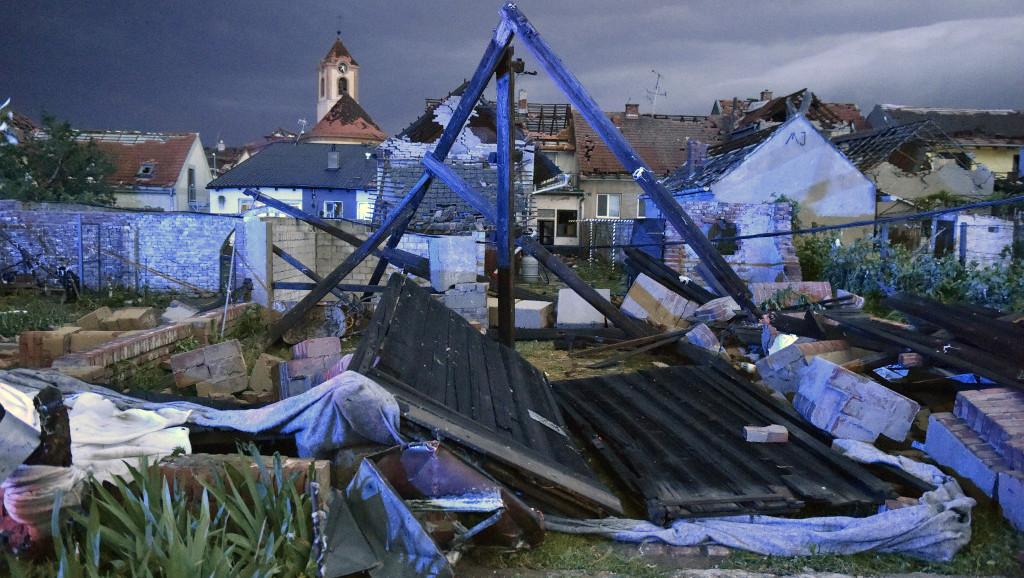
[(592, 554)]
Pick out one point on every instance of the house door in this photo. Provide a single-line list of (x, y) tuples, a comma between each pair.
[(944, 237), (546, 230)]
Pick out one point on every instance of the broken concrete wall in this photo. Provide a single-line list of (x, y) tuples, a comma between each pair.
[(986, 238), (944, 176), (768, 259), (51, 236)]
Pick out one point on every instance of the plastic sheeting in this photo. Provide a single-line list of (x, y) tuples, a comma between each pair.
[(934, 530), (344, 410)]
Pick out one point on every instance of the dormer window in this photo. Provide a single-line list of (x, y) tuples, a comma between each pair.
[(146, 170)]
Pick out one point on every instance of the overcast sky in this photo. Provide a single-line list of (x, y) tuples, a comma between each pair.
[(237, 70)]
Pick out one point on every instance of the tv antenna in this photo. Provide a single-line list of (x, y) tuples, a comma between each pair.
[(652, 95), (302, 125)]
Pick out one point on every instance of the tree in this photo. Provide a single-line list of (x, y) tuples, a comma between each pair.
[(56, 168)]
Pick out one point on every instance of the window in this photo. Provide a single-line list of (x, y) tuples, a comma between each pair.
[(565, 224), (146, 170), (608, 206), (641, 209), (342, 85), (322, 95), (364, 211), (191, 184), (332, 210), (722, 229), (221, 201)]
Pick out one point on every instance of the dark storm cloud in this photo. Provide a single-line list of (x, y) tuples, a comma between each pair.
[(240, 69)]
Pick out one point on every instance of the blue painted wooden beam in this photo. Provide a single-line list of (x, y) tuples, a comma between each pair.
[(631, 161), (505, 203), (461, 187), (396, 223)]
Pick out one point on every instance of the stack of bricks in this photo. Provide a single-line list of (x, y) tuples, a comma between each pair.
[(312, 361), (983, 440), (217, 371)]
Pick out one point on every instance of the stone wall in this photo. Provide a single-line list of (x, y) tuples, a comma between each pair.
[(766, 259), (183, 246)]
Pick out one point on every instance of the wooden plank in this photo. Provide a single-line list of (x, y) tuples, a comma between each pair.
[(665, 340), (594, 500), (373, 335), (629, 344), (721, 272)]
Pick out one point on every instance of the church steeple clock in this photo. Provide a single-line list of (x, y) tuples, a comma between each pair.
[(338, 74)]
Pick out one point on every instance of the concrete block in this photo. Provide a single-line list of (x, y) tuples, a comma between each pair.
[(265, 376), (702, 336), (455, 299), (91, 320), (779, 370), (85, 340), (534, 314), (1011, 497), (850, 405), (214, 370), (649, 300), (573, 311), (769, 434), (317, 347), (452, 260), (130, 318), (721, 309), (910, 359), (951, 443), (177, 311)]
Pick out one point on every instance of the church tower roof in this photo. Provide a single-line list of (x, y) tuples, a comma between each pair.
[(345, 123), (339, 52)]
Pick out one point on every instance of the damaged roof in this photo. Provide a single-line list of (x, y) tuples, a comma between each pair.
[(346, 122), (143, 159), (303, 165), (659, 139), (966, 126)]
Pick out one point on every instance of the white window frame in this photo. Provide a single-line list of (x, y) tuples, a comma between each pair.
[(337, 213), (607, 197), (641, 209)]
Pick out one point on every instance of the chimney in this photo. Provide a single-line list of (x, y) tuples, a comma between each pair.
[(766, 95), (696, 156), (632, 111), (333, 159), (522, 101)]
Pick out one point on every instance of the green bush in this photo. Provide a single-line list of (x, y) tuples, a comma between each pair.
[(861, 268)]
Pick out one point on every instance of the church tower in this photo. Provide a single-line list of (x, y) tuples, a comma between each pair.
[(338, 75)]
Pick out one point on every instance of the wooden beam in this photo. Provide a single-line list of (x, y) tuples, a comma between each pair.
[(505, 223), (719, 270), (400, 218), (631, 326), (337, 288)]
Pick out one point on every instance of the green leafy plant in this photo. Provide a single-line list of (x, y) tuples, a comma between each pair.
[(260, 526)]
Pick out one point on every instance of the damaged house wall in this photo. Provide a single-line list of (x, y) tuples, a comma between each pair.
[(767, 259), (982, 239), (50, 238), (945, 175)]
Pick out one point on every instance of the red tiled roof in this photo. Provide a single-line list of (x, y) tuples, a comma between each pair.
[(660, 141), (129, 151), (338, 51), (346, 122)]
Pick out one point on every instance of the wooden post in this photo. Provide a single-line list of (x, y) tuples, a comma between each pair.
[(963, 243), (631, 161), (505, 224), (81, 264)]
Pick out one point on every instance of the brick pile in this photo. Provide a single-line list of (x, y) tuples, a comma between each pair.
[(983, 440)]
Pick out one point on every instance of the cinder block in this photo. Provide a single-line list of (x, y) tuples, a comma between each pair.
[(649, 300), (702, 336), (1011, 497), (769, 434), (317, 347), (214, 370), (573, 311), (91, 321), (849, 405), (721, 309), (534, 314), (299, 375), (452, 260), (951, 443), (85, 340)]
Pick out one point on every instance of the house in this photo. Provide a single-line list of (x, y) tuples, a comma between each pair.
[(791, 161), (335, 181), (660, 140), (752, 115), (473, 157), (167, 171), (993, 138)]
